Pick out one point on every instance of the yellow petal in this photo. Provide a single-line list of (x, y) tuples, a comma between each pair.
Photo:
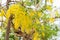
[(37, 21), (43, 34), (2, 12), (51, 1), (39, 14), (52, 20), (36, 36), (48, 7)]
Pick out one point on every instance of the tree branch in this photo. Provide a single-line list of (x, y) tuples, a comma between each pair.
[(8, 28)]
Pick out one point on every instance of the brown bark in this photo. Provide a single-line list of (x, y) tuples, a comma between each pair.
[(25, 35), (7, 3), (0, 4), (8, 28)]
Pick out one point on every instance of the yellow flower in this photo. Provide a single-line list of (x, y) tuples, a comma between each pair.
[(42, 27), (2, 12), (37, 21), (48, 7), (32, 13), (52, 20), (39, 14), (56, 13), (51, 1), (36, 36), (43, 34), (14, 9), (7, 14), (25, 23)]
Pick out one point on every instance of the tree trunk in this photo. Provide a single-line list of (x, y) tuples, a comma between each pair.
[(8, 28)]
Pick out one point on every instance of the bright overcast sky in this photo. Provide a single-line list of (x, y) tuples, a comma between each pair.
[(57, 3)]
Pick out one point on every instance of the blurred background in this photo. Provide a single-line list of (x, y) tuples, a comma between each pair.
[(55, 8)]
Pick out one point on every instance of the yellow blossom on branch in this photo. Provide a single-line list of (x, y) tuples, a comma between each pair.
[(51, 20)]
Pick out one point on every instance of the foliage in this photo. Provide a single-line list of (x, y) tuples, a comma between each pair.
[(28, 18)]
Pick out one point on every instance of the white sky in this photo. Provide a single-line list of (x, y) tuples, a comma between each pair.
[(57, 3), (3, 1)]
